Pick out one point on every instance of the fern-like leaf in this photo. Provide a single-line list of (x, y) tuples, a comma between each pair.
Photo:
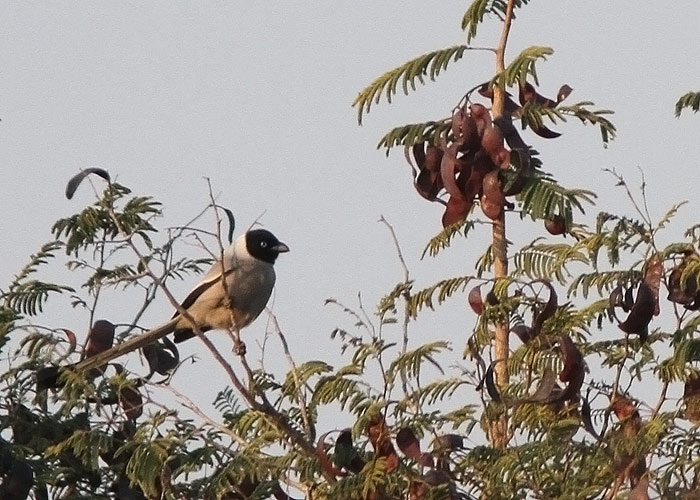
[(414, 133), (544, 261), (479, 9), (522, 66), (691, 100), (543, 198), (445, 237), (444, 288), (594, 117), (428, 65)]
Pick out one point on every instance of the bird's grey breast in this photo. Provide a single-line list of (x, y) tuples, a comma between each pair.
[(250, 286)]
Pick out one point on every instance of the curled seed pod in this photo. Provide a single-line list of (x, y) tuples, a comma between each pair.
[(574, 369), (523, 332), (77, 179), (548, 311), (456, 210), (324, 459)]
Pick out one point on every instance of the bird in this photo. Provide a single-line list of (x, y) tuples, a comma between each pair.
[(249, 277)]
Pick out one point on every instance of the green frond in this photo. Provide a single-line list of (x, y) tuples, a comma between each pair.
[(146, 465), (594, 117), (302, 374), (387, 304), (522, 66), (124, 274), (481, 8), (670, 214), (444, 238), (602, 281), (30, 297), (485, 262), (676, 250), (86, 445), (414, 133), (532, 114), (428, 65), (543, 198), (431, 393), (547, 261), (411, 362), (95, 223), (691, 273), (348, 392), (444, 288), (678, 366), (693, 232), (625, 234), (691, 100), (45, 253), (227, 402)]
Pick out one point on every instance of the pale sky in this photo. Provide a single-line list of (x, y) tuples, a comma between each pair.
[(257, 95)]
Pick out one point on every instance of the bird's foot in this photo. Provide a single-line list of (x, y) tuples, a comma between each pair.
[(239, 348)]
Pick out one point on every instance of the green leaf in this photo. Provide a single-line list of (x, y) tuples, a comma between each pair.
[(414, 133), (690, 100), (522, 66), (428, 65)]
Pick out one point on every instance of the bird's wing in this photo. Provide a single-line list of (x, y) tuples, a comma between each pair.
[(212, 277)]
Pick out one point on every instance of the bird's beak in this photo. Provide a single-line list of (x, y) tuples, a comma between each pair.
[(280, 248)]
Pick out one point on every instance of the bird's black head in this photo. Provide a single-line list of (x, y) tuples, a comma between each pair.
[(263, 245)]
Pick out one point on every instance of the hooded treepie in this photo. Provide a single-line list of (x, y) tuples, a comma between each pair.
[(249, 278)]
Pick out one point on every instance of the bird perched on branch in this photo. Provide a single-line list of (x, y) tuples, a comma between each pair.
[(215, 303)]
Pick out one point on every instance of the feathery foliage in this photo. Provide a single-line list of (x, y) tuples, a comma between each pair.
[(690, 100)]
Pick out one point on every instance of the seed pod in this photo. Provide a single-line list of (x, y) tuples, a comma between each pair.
[(556, 225)]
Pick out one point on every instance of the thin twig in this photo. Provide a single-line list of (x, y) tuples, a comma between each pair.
[(310, 431)]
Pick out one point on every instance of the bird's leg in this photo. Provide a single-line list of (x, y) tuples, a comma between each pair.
[(239, 347)]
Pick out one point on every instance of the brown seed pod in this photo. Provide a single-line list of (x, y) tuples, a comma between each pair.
[(426, 180), (475, 300), (456, 210), (574, 369), (448, 171), (556, 225), (481, 116), (100, 338), (378, 434), (324, 459), (433, 156), (492, 197)]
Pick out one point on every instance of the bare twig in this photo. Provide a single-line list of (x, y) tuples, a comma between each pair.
[(308, 426)]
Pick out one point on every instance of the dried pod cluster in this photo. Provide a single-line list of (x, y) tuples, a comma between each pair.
[(471, 162), (683, 285), (347, 459), (573, 371)]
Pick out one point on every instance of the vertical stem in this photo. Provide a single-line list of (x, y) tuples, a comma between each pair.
[(499, 428)]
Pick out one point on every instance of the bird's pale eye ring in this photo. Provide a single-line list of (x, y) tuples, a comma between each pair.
[(263, 244)]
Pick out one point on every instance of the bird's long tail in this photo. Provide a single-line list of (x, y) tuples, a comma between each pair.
[(48, 377), (127, 346)]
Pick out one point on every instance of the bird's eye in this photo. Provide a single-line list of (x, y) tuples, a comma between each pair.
[(263, 244)]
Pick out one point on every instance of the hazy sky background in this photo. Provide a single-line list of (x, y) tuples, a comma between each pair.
[(257, 95)]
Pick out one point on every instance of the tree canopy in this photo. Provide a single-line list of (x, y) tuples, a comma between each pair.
[(579, 378)]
